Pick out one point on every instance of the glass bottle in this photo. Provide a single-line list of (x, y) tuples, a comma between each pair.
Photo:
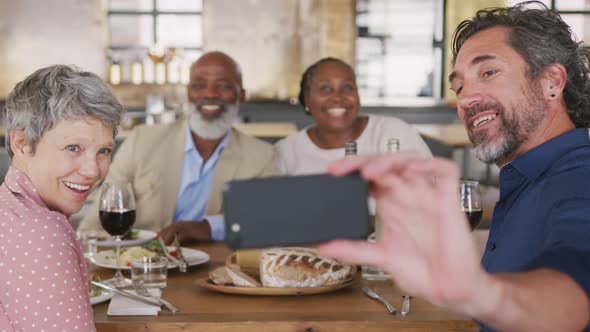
[(391, 147), (350, 148), (115, 73)]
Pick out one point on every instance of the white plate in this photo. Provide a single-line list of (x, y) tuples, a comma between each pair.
[(106, 258), (143, 237), (104, 296)]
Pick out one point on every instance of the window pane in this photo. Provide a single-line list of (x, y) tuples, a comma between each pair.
[(395, 57), (580, 25), (572, 5), (409, 73), (131, 30), (135, 5), (179, 5), (186, 58), (180, 30)]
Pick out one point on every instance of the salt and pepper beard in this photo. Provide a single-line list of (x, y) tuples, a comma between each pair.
[(217, 127), (515, 129)]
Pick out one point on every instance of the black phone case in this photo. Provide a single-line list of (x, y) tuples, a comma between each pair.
[(284, 211)]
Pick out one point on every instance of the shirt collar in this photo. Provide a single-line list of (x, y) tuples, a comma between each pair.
[(536, 161), (189, 143), (18, 182)]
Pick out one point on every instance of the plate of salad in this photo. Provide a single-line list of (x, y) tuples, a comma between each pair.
[(107, 258)]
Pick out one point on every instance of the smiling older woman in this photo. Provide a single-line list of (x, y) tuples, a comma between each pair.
[(60, 125), (329, 94)]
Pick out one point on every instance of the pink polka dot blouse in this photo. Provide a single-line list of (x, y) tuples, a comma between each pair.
[(43, 276)]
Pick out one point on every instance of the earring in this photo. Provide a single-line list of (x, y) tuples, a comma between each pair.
[(307, 110)]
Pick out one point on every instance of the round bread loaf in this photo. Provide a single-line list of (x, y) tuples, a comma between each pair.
[(301, 267)]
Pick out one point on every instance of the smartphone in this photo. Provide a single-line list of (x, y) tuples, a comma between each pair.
[(296, 210)]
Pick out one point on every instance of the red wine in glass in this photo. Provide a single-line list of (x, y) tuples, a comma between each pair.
[(117, 222), (474, 217), (117, 215), (471, 202)]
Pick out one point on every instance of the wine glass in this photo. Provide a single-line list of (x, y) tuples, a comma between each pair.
[(117, 215), (471, 202)]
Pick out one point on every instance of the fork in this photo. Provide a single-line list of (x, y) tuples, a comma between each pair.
[(370, 293), (182, 266), (139, 289)]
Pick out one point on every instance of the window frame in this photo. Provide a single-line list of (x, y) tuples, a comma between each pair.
[(154, 13), (439, 56)]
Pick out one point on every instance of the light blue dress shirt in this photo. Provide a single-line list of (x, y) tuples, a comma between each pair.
[(195, 186)]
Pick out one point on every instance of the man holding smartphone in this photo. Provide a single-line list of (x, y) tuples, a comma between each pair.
[(523, 90)]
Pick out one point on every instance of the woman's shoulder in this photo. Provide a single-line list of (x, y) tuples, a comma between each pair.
[(299, 138), (383, 121), (379, 125), (20, 204), (35, 225)]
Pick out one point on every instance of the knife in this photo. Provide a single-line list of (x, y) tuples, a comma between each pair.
[(126, 294), (172, 259), (183, 264)]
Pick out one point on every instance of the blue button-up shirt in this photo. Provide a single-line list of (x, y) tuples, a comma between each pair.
[(195, 185), (542, 219)]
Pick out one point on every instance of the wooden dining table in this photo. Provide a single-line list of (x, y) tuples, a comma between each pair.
[(343, 310)]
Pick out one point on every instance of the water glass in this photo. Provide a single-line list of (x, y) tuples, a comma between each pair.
[(151, 272), (88, 242)]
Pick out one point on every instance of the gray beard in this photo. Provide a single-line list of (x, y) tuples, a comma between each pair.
[(515, 130), (499, 148), (214, 128)]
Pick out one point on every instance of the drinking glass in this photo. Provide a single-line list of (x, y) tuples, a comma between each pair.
[(471, 202), (88, 241), (117, 215), (149, 272)]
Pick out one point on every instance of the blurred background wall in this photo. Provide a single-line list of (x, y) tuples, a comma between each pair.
[(35, 34), (276, 40)]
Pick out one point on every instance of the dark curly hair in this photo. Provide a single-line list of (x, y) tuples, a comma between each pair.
[(542, 38), (307, 76)]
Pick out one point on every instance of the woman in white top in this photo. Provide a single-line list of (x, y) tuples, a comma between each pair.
[(329, 94)]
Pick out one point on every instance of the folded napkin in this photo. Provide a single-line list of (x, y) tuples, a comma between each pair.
[(123, 306)]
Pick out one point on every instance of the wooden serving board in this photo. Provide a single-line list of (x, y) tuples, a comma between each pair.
[(272, 291)]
